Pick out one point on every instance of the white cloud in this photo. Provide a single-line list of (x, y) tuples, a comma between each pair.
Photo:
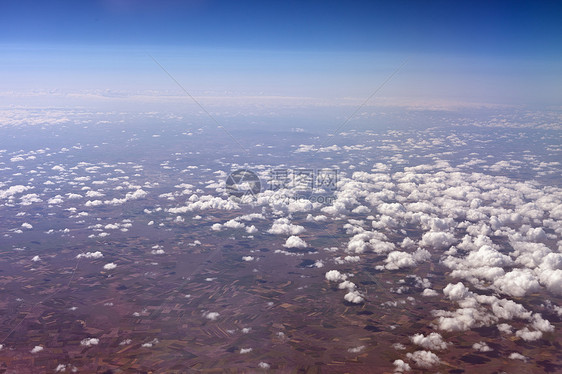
[(88, 342), (251, 229), (437, 239), (428, 292), (456, 291), (294, 242), (109, 266), (551, 279), (151, 343), (481, 347), (517, 356), (93, 193), (37, 349), (282, 226), (397, 260), (197, 203), (55, 200), (517, 282), (487, 256), (541, 324), (505, 328), (211, 315), (424, 359), (96, 254), (462, 319), (358, 349), (91, 203), (347, 285), (354, 297), (234, 224), (400, 366), (61, 368), (138, 194), (433, 341), (13, 190), (335, 276), (528, 335)]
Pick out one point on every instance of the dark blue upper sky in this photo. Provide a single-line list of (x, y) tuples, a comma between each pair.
[(489, 27), (493, 51)]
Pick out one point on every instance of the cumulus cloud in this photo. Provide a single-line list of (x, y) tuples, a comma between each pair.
[(487, 256), (37, 349), (137, 194), (282, 226), (505, 328), (89, 342), (481, 347), (96, 254), (462, 319), (151, 343), (234, 224), (294, 242), (93, 203), (92, 193), (251, 229), (433, 341), (205, 202), (528, 335), (211, 315), (424, 359), (109, 266), (517, 282), (551, 279), (456, 291), (347, 285), (517, 356), (335, 276), (373, 240), (356, 349), (400, 366), (13, 190), (354, 297), (397, 260), (61, 368), (428, 292), (437, 239)]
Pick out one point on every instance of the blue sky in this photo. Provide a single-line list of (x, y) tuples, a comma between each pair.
[(505, 52)]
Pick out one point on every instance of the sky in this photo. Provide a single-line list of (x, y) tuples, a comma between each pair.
[(492, 52)]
